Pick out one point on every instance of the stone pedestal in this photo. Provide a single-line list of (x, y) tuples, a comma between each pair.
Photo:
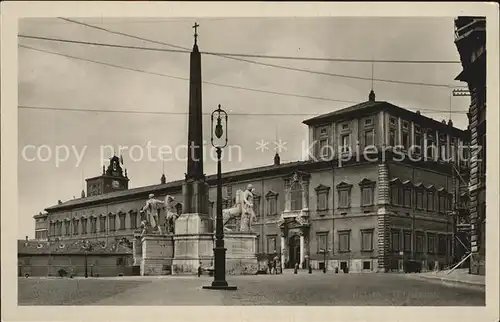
[(137, 250), (193, 242), (241, 256), (157, 254)]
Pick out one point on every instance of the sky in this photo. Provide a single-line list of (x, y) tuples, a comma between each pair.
[(62, 83)]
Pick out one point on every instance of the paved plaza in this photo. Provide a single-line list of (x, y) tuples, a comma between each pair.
[(287, 289)]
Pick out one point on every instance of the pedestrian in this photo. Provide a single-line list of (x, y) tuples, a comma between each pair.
[(274, 267), (199, 270), (270, 266)]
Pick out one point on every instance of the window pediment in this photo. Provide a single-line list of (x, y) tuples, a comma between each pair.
[(271, 194), (366, 182), (431, 188), (344, 184), (395, 181), (298, 176), (322, 188)]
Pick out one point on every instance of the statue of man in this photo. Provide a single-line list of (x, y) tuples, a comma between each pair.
[(247, 213), (152, 209)]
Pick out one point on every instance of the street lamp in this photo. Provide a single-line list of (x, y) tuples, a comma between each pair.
[(219, 142), (86, 247)]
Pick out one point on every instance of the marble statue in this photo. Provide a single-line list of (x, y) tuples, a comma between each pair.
[(242, 208), (152, 211), (171, 214)]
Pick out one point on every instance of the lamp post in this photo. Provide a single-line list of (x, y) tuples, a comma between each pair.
[(219, 142), (86, 247)]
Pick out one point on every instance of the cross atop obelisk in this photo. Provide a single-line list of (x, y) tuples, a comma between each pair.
[(196, 25)]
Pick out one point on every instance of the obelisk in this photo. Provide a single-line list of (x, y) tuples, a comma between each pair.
[(195, 188), (194, 228)]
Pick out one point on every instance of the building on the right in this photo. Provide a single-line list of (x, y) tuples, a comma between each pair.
[(470, 39)]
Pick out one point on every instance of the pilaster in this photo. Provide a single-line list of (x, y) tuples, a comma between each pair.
[(383, 218)]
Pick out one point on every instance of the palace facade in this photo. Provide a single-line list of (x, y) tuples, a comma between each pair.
[(370, 212), (470, 39)]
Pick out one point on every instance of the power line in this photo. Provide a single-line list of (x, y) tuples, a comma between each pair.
[(239, 59), (187, 79), (269, 56), (145, 21), (184, 113), (209, 83)]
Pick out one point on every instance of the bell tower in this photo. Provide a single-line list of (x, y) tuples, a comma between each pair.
[(114, 178)]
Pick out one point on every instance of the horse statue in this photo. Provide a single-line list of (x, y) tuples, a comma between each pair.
[(240, 209)]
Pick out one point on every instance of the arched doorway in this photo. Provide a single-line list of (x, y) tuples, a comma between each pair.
[(293, 251)]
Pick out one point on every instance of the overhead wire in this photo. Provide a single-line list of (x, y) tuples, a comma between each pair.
[(239, 59)]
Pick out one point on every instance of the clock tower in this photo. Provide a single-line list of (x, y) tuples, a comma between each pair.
[(114, 178)]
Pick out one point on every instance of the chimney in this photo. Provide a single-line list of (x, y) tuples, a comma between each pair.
[(59, 202), (26, 238), (276, 159), (450, 123), (418, 112), (163, 179), (371, 96), (443, 121)]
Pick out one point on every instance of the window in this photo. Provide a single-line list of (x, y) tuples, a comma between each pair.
[(323, 131), (367, 240), (442, 245), (366, 265), (256, 205), (369, 138), (84, 225), (322, 239), (112, 223), (430, 201), (392, 121), (345, 126), (430, 147), (344, 199), (345, 143), (392, 137), (442, 203), (272, 203), (271, 244), (67, 228), (395, 247), (406, 140), (102, 223), (420, 199), (344, 241), (367, 188), (120, 261), (323, 148), (368, 122), (133, 220), (442, 147), (407, 197), (406, 125), (395, 194), (296, 196), (407, 242), (419, 243), (75, 227), (322, 201), (322, 193), (431, 243), (122, 221), (93, 224), (417, 147)]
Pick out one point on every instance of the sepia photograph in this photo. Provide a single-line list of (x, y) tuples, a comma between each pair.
[(323, 161)]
